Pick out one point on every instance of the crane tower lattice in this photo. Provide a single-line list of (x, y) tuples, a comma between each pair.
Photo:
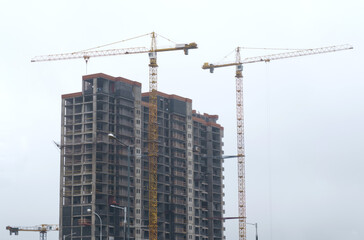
[(240, 115)]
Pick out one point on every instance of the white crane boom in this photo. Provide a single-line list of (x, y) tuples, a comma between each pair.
[(271, 57), (298, 53), (110, 52), (88, 54)]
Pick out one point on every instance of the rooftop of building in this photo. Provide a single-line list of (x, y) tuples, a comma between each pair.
[(202, 118), (108, 77)]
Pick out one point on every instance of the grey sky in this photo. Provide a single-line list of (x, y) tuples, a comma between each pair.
[(304, 117)]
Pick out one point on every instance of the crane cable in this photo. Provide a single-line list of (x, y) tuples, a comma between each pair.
[(113, 43), (128, 39), (167, 39), (256, 48)]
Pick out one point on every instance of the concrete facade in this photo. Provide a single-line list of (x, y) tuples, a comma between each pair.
[(96, 173)]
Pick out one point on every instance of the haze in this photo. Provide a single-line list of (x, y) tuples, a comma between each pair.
[(304, 116)]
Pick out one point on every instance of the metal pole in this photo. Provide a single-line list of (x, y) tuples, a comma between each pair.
[(64, 236), (125, 211), (100, 224), (128, 190), (256, 231)]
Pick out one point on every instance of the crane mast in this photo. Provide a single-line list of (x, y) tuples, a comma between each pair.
[(240, 115), (240, 145), (153, 142)]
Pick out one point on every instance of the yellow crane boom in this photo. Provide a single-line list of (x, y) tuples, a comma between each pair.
[(240, 116)]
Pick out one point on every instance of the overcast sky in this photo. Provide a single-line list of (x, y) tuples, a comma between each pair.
[(304, 132)]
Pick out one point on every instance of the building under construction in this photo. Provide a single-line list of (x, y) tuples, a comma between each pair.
[(105, 180)]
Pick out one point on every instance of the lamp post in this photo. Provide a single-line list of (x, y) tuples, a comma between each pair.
[(90, 211), (125, 211), (232, 156), (64, 236), (256, 229), (128, 206)]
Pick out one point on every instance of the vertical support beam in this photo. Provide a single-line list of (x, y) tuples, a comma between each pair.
[(61, 183), (137, 167), (94, 143), (209, 177), (190, 174), (43, 235)]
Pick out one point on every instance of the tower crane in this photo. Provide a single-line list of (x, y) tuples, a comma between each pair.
[(42, 229), (153, 125), (240, 116)]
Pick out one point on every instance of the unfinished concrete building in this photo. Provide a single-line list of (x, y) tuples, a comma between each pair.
[(100, 179)]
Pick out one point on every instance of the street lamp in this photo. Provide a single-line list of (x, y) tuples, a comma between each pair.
[(128, 207), (232, 156), (64, 236), (256, 229), (90, 211), (125, 211)]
